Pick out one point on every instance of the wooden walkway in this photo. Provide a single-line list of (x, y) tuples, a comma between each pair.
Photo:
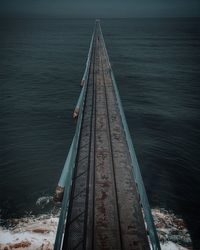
[(104, 210)]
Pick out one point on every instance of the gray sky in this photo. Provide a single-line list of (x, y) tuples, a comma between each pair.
[(102, 8)]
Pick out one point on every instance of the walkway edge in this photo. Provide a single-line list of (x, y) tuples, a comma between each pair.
[(68, 168)]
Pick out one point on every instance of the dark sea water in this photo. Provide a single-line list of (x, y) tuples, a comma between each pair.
[(157, 67)]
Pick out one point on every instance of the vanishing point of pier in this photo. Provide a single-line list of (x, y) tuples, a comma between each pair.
[(104, 203)]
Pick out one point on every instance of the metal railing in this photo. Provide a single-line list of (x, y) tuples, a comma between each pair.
[(66, 177), (155, 244)]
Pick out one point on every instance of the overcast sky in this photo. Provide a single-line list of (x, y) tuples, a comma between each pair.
[(101, 8)]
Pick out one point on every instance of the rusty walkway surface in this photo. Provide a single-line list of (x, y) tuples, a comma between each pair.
[(104, 209)]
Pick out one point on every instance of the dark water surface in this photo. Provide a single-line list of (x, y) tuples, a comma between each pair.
[(156, 64)]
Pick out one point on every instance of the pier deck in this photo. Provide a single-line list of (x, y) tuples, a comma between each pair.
[(104, 209)]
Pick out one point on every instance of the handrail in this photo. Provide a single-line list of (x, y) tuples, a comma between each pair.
[(70, 163), (135, 166), (85, 75), (137, 176), (66, 180), (58, 196)]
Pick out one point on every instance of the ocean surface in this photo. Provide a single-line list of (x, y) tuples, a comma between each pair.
[(156, 63)]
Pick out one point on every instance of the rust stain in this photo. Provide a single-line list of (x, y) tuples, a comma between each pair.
[(104, 177), (104, 195)]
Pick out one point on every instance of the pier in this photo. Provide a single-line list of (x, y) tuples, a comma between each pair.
[(104, 203)]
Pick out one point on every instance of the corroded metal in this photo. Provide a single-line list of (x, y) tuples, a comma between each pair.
[(58, 196), (104, 210), (76, 112), (66, 176)]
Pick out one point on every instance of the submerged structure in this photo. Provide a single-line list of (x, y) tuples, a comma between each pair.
[(104, 205)]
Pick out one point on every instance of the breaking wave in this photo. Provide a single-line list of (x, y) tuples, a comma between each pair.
[(32, 233), (44, 200), (38, 232), (172, 231)]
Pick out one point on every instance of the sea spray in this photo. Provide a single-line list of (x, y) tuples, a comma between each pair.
[(171, 230), (38, 232)]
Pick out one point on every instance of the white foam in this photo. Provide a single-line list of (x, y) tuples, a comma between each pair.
[(31, 233), (172, 231), (172, 246), (39, 232)]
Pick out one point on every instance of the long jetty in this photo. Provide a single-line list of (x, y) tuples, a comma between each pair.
[(104, 203)]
